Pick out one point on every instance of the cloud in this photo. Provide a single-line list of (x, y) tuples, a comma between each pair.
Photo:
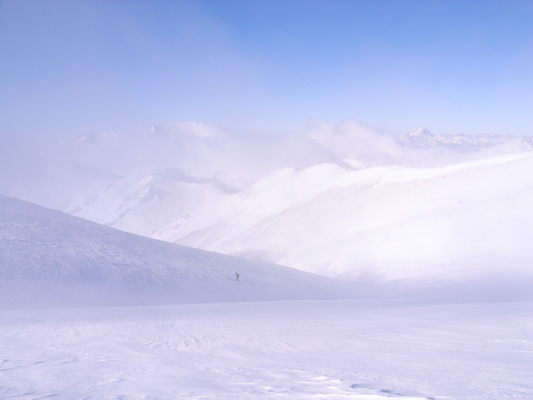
[(47, 173)]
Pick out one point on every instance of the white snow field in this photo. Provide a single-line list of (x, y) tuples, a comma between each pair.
[(432, 236), (293, 350), (88, 312)]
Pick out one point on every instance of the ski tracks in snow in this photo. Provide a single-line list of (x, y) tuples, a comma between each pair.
[(326, 350)]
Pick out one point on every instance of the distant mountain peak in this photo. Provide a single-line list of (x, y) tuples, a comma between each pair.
[(421, 137), (91, 138), (420, 132), (424, 138)]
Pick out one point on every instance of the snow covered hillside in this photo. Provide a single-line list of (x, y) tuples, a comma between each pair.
[(446, 233), (341, 200), (51, 259), (387, 222)]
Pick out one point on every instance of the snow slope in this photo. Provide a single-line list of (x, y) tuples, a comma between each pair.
[(341, 200), (51, 259), (360, 349), (451, 241), (387, 222)]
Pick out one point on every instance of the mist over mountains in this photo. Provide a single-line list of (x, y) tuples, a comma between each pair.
[(341, 200), (424, 138)]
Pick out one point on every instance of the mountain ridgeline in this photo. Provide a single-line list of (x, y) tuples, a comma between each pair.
[(51, 259), (341, 200)]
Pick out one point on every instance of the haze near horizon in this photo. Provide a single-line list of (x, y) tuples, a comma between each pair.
[(301, 199), (265, 66)]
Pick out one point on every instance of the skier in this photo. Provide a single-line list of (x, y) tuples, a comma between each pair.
[(237, 276)]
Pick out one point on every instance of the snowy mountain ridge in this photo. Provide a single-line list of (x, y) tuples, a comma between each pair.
[(335, 199), (51, 259), (398, 222), (424, 138)]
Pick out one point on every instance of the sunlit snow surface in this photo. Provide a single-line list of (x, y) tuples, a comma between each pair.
[(87, 312), (334, 199), (393, 341), (49, 259), (390, 221), (328, 349)]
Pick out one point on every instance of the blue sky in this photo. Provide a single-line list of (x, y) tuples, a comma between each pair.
[(68, 67)]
